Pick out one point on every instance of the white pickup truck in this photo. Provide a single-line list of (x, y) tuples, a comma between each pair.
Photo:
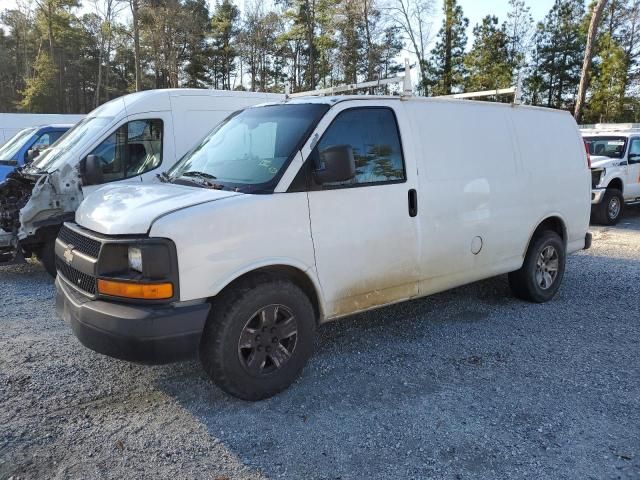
[(615, 169), (299, 212)]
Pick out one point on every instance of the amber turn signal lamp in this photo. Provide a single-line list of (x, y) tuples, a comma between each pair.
[(143, 291)]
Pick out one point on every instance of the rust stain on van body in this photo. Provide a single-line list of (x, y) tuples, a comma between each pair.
[(367, 296)]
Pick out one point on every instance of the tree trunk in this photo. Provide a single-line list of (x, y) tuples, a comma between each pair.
[(448, 47), (596, 15), (136, 42)]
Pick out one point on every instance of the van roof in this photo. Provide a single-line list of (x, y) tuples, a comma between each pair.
[(335, 99), (160, 98)]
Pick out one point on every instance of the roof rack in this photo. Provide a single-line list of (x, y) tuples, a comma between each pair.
[(407, 89), (405, 80), (486, 93)]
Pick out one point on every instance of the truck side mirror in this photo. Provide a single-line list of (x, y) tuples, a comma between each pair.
[(31, 155), (336, 164), (634, 158), (91, 170)]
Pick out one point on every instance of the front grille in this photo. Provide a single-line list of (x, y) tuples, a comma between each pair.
[(82, 244), (75, 277)]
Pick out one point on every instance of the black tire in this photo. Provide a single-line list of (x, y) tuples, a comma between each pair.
[(47, 256), (610, 210), (236, 314), (527, 283)]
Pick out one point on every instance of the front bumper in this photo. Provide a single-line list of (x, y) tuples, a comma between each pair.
[(596, 195), (147, 334)]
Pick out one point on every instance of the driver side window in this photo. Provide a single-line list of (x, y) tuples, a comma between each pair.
[(133, 149)]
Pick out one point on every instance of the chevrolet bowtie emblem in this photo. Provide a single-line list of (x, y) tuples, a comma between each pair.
[(68, 254)]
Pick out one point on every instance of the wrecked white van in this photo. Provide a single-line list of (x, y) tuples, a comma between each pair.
[(127, 140), (295, 213)]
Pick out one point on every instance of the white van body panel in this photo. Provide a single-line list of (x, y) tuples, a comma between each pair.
[(486, 176), (220, 241), (102, 211)]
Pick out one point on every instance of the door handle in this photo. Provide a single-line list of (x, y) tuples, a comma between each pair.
[(413, 203)]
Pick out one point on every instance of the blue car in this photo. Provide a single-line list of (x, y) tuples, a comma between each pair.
[(15, 152)]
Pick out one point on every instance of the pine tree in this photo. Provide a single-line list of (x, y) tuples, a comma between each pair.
[(224, 28), (488, 62), (40, 94), (446, 70), (560, 48)]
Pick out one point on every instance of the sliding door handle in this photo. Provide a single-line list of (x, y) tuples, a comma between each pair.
[(413, 203)]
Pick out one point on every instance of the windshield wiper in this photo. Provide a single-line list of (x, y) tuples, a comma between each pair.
[(208, 176)]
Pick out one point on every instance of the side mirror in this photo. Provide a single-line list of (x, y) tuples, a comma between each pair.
[(634, 158), (91, 170), (336, 164), (31, 155)]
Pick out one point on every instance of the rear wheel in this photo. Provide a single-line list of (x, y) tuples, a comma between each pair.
[(610, 210), (258, 337), (542, 271)]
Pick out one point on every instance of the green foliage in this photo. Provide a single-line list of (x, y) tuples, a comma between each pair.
[(488, 64), (446, 68), (224, 29), (39, 96), (607, 83), (558, 55), (51, 50)]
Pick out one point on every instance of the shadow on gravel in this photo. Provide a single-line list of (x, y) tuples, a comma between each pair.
[(469, 382)]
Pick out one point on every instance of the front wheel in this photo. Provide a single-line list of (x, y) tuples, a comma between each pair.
[(610, 210), (542, 271), (258, 337), (47, 256)]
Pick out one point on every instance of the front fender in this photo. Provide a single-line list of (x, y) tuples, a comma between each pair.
[(274, 262)]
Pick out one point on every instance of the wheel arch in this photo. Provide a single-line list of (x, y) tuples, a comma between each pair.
[(298, 274), (553, 222), (616, 183)]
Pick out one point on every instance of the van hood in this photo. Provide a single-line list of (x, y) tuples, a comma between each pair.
[(132, 209), (604, 162)]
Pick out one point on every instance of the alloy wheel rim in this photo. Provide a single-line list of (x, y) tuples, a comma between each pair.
[(614, 207), (547, 267), (268, 340)]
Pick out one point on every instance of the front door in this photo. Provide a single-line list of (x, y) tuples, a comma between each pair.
[(632, 182), (364, 235), (135, 151)]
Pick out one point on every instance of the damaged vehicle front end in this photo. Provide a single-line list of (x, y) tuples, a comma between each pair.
[(33, 206), (35, 200)]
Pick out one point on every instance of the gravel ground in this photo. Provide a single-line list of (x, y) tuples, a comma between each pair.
[(467, 384)]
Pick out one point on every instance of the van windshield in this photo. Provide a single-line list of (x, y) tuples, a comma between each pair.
[(69, 145), (250, 150), (612, 147), (15, 143)]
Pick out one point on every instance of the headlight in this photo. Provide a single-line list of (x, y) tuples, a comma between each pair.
[(135, 259)]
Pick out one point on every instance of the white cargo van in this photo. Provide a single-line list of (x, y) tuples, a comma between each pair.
[(130, 139), (296, 213)]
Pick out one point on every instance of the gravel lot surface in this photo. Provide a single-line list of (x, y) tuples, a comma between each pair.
[(467, 384)]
